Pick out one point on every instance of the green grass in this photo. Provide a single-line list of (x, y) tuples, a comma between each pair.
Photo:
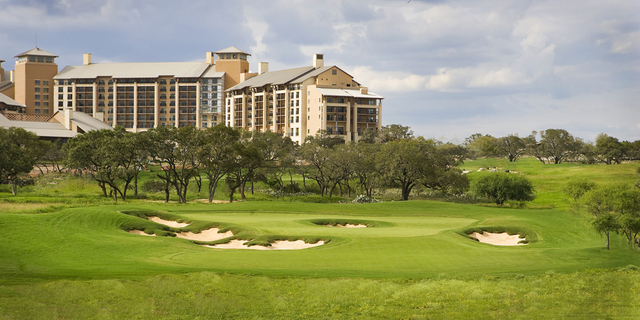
[(65, 253), (549, 179), (416, 239)]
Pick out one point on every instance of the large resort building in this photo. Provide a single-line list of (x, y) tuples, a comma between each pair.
[(294, 102)]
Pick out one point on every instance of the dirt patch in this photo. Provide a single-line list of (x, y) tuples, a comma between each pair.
[(498, 239), (173, 224), (212, 234), (142, 233), (278, 245)]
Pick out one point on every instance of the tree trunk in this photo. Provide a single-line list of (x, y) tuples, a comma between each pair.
[(14, 187), (104, 189), (135, 186), (607, 235)]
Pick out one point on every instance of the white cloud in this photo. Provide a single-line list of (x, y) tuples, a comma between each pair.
[(387, 81), (626, 43)]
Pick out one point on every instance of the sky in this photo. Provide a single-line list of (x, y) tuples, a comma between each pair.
[(447, 69)]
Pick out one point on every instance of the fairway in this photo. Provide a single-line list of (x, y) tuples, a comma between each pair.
[(415, 239)]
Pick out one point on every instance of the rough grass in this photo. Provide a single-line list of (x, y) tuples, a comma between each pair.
[(590, 294)]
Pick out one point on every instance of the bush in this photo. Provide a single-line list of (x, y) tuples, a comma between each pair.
[(502, 187), (154, 186)]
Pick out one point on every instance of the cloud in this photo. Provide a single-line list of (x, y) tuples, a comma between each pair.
[(387, 81)]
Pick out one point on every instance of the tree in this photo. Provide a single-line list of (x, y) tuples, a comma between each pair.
[(18, 154), (503, 187), (510, 146), (558, 145), (598, 203), (609, 149), (112, 157), (178, 151), (480, 145), (315, 160), (219, 144), (386, 134), (404, 163), (365, 168), (575, 189)]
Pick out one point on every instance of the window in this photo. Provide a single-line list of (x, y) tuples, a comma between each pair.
[(340, 100), (37, 97), (40, 59), (37, 111), (60, 96), (60, 89), (334, 72), (329, 99), (372, 102)]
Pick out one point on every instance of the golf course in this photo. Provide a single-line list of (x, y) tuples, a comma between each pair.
[(68, 253)]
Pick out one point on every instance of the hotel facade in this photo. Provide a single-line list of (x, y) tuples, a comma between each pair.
[(294, 102)]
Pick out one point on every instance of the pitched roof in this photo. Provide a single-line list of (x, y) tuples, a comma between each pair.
[(8, 101), (4, 85), (335, 92), (134, 70), (42, 129), (87, 122), (273, 77), (232, 49), (36, 52), (212, 73), (313, 73)]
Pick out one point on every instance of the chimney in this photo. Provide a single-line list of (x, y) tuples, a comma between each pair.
[(364, 90), (12, 76), (86, 59), (68, 115), (318, 60), (263, 67), (210, 57)]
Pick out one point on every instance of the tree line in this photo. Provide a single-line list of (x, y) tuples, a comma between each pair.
[(554, 146), (388, 158)]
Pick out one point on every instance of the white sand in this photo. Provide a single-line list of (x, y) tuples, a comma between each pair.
[(173, 224), (142, 233), (205, 235), (278, 245), (498, 239), (349, 225)]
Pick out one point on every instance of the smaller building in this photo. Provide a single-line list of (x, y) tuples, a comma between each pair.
[(8, 105), (61, 125)]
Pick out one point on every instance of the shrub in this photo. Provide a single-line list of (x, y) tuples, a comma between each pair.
[(502, 187)]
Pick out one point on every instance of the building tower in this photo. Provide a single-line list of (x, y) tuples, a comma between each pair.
[(34, 72), (233, 62)]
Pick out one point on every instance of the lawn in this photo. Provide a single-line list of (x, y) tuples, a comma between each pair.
[(65, 253)]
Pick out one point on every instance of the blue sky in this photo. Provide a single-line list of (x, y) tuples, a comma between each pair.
[(447, 69)]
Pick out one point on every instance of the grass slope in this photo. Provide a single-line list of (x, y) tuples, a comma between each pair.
[(421, 239)]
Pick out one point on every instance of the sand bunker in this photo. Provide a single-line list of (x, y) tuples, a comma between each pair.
[(278, 245), (173, 224), (498, 239), (205, 235), (142, 233), (349, 225)]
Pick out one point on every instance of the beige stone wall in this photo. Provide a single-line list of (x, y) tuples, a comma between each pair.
[(10, 92), (338, 80), (26, 73)]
